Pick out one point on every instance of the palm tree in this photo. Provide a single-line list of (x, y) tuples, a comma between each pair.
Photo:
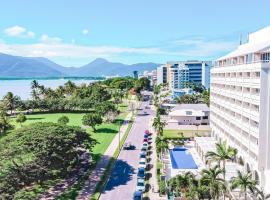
[(10, 101), (222, 154), (182, 184), (260, 194), (158, 125), (161, 145), (69, 87), (34, 88), (244, 182), (211, 177)]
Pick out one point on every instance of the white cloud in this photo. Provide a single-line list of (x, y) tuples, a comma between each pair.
[(18, 31), (85, 31), (54, 47), (49, 40)]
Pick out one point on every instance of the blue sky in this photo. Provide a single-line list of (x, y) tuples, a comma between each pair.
[(75, 32)]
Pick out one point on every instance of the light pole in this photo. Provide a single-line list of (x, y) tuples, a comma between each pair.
[(119, 136)]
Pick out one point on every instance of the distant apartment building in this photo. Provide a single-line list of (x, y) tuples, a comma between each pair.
[(240, 104), (135, 74), (154, 77), (183, 72), (161, 74)]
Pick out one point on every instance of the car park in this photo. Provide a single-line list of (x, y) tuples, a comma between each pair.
[(137, 195), (140, 185), (141, 173), (142, 163)]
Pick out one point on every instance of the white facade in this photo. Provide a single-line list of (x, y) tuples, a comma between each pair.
[(240, 103), (161, 74), (190, 114)]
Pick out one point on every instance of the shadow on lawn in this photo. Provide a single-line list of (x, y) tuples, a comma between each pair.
[(35, 118), (106, 130)]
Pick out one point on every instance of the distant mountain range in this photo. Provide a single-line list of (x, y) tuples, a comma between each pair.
[(39, 67)]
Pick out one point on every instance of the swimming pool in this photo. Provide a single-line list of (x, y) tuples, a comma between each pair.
[(181, 159)]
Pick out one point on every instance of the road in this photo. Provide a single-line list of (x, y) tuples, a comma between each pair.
[(123, 179)]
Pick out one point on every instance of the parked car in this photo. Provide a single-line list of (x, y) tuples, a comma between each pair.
[(142, 163), (145, 140), (146, 132), (140, 185), (128, 146), (145, 136), (137, 195), (143, 154), (144, 148), (141, 173), (145, 144)]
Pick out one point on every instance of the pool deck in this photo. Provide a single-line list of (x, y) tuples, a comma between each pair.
[(171, 172)]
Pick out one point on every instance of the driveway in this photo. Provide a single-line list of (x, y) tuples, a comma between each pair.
[(123, 179)]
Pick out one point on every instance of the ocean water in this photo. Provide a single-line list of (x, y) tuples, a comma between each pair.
[(22, 87)]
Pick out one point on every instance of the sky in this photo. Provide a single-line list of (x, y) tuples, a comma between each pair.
[(75, 32)]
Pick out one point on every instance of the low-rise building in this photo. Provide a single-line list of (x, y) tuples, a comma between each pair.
[(190, 114)]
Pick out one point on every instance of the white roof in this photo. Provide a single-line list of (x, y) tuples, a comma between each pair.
[(189, 110), (259, 41), (187, 113)]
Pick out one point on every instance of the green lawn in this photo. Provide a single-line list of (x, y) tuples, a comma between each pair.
[(187, 133), (104, 134)]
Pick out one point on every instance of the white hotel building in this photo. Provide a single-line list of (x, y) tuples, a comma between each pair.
[(240, 103)]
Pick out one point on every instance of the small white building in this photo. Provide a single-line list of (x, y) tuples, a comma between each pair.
[(190, 114)]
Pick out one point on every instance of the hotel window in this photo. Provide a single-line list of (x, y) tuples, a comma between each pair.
[(265, 57)]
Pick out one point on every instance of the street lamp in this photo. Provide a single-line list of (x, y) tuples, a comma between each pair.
[(119, 136)]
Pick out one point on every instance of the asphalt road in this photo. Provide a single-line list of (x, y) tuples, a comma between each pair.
[(123, 179)]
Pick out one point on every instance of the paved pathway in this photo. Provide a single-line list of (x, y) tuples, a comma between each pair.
[(102, 164), (122, 181)]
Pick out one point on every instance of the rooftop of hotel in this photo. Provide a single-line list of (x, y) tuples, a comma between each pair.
[(258, 42)]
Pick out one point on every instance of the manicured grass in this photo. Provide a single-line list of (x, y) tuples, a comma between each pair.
[(75, 119), (104, 134), (186, 133)]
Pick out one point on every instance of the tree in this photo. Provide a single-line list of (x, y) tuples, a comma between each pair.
[(161, 145), (260, 194), (244, 182), (158, 125), (63, 120), (188, 99), (111, 116), (34, 92), (21, 118), (11, 101), (181, 184), (211, 177), (4, 122), (222, 154), (92, 119), (40, 152), (142, 84)]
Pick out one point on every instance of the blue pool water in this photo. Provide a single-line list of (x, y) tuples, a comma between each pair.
[(181, 159)]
